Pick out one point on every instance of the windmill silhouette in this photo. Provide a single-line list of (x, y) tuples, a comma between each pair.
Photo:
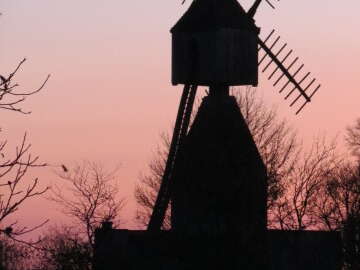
[(214, 175), (216, 44)]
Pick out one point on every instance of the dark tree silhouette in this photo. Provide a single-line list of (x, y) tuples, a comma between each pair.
[(297, 208), (62, 249), (339, 209), (353, 138), (88, 195), (14, 255), (11, 98), (15, 189)]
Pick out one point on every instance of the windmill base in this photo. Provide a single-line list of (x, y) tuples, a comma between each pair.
[(138, 250)]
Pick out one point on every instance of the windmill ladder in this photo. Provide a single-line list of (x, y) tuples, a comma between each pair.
[(180, 130)]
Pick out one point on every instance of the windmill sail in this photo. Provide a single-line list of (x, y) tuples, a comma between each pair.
[(255, 6), (271, 4), (304, 87)]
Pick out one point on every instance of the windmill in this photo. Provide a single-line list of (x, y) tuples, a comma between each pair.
[(216, 44), (214, 175)]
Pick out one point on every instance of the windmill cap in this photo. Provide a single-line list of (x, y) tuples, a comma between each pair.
[(205, 15)]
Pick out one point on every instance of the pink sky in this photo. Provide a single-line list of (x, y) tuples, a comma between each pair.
[(110, 95)]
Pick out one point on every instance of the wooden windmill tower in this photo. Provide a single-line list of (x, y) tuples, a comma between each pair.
[(214, 175)]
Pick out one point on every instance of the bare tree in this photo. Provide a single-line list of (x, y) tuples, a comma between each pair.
[(340, 197), (89, 196), (353, 138), (62, 249), (275, 139), (14, 167), (146, 189), (14, 255), (339, 209), (12, 172), (10, 97), (297, 208)]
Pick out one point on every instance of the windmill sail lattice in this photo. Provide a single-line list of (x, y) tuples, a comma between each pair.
[(286, 66), (271, 4)]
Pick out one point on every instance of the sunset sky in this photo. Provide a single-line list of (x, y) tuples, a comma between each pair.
[(110, 97)]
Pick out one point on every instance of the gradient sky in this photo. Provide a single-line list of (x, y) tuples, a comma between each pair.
[(110, 94)]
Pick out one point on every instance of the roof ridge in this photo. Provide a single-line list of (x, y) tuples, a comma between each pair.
[(204, 15)]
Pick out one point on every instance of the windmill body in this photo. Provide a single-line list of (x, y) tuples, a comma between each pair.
[(213, 44), (218, 178), (219, 182)]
